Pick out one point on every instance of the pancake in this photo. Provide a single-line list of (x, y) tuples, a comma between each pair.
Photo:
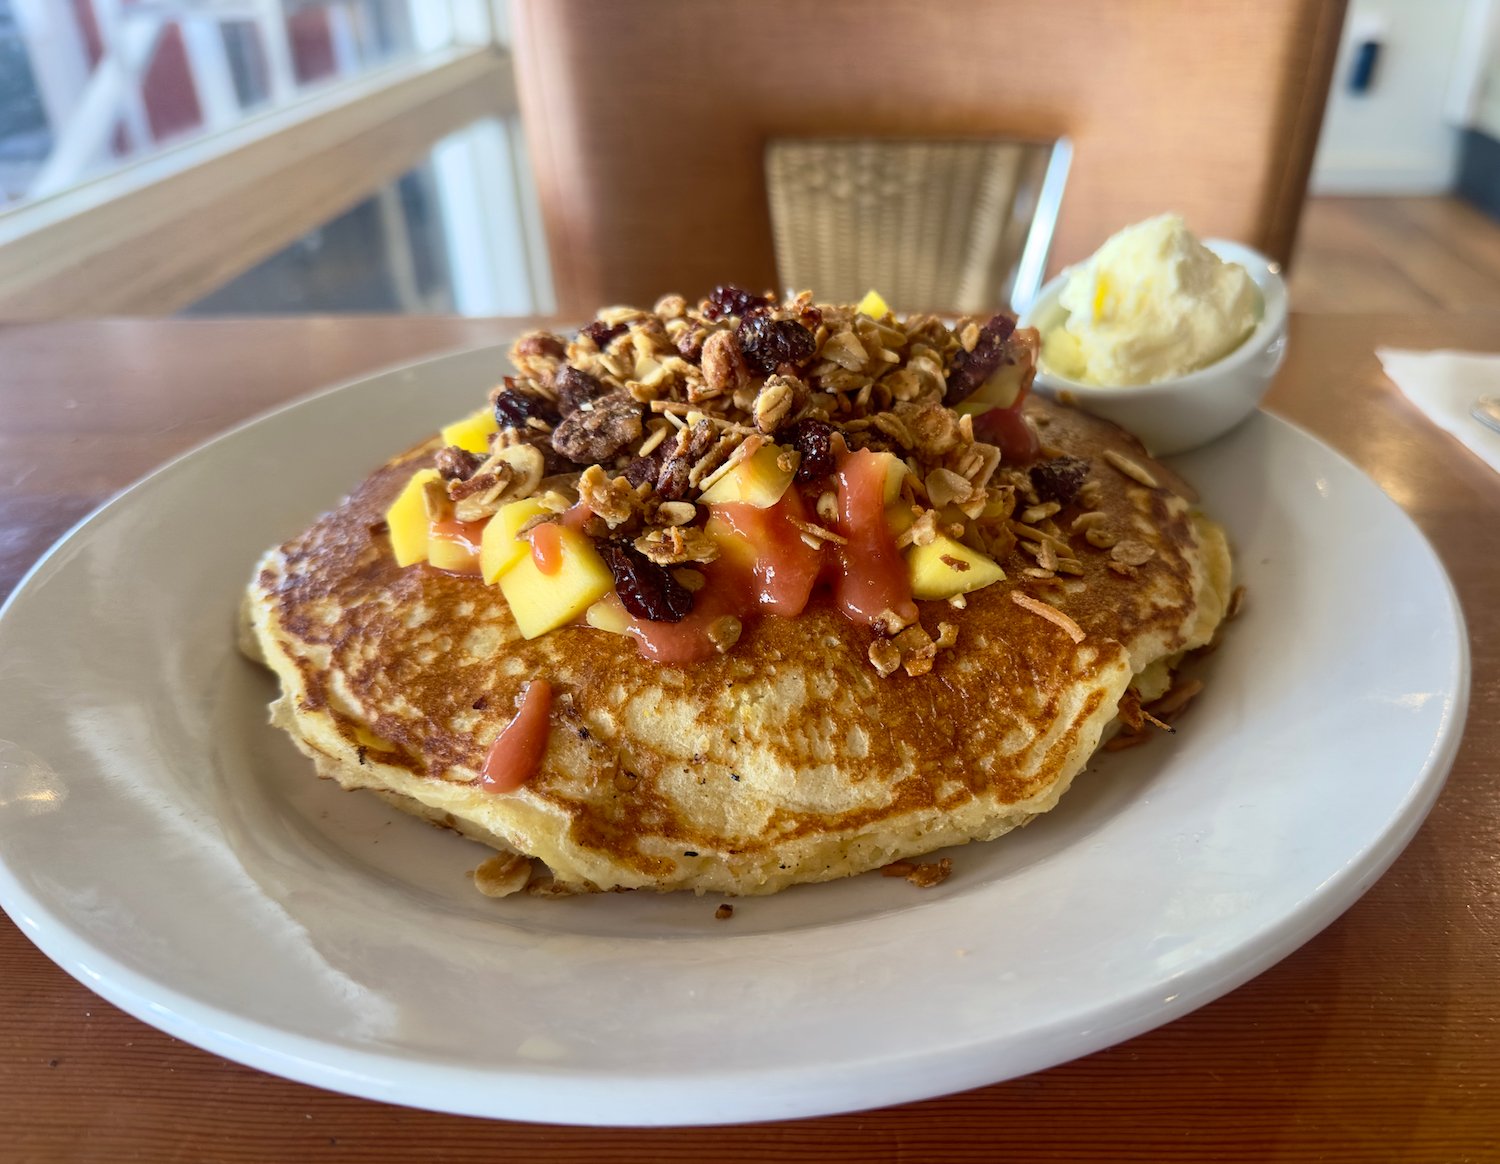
[(786, 758)]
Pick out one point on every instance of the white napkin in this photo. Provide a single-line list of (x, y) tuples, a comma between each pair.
[(1444, 385)]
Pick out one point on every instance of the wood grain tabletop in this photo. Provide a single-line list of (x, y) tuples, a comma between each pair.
[(1379, 1040)]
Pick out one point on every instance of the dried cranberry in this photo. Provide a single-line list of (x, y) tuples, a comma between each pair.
[(728, 299), (646, 590), (513, 408), (1059, 479), (601, 333), (972, 369), (768, 343), (813, 439), (574, 387)]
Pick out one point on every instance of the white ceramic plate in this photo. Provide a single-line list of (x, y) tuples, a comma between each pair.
[(170, 850)]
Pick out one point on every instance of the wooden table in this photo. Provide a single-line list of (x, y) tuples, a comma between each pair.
[(1379, 1040)]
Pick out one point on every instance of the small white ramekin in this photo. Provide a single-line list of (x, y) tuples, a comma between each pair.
[(1173, 416)]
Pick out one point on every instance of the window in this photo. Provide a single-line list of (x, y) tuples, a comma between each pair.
[(168, 146)]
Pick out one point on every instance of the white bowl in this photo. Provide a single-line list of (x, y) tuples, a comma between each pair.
[(1173, 416)]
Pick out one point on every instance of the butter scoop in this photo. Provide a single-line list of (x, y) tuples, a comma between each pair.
[(1151, 304)]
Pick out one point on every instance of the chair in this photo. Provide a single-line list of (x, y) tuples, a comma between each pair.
[(958, 225), (649, 122)]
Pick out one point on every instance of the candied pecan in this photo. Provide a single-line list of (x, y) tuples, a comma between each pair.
[(727, 299), (768, 343), (672, 480), (601, 333), (813, 439), (690, 342), (972, 369), (456, 464), (1059, 479), (644, 469), (537, 343), (674, 476), (574, 387), (646, 590), (514, 407), (597, 432), (724, 367)]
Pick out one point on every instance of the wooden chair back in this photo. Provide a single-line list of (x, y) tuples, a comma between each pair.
[(648, 120)]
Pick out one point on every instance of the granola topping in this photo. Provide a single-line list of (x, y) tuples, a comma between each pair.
[(721, 459)]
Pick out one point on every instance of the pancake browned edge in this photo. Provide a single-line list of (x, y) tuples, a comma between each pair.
[(787, 759)]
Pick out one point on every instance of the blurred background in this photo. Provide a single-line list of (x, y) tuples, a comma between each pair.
[(484, 157)]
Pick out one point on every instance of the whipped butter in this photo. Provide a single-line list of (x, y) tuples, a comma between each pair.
[(1151, 303)]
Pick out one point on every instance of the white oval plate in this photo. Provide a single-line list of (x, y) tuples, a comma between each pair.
[(165, 846)]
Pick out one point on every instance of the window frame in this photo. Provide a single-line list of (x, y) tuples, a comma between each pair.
[(162, 231)]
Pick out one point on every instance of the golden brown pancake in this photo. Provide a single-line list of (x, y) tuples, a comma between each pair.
[(787, 759)]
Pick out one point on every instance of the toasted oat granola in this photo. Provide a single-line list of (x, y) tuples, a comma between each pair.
[(641, 413)]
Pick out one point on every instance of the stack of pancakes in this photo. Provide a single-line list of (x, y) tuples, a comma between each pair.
[(785, 760)]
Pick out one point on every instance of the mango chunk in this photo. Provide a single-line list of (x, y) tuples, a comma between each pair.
[(407, 520), (608, 615), (733, 548), (999, 391), (542, 602), (500, 549), (946, 567), (473, 431), (454, 546), (873, 305), (760, 481), (895, 474)]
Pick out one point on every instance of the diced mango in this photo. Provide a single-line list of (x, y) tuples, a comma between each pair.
[(895, 474), (542, 602), (450, 556), (733, 548), (760, 481), (473, 431), (407, 520), (608, 615), (997, 507), (454, 546), (946, 567), (900, 519), (873, 305), (500, 549), (999, 391)]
